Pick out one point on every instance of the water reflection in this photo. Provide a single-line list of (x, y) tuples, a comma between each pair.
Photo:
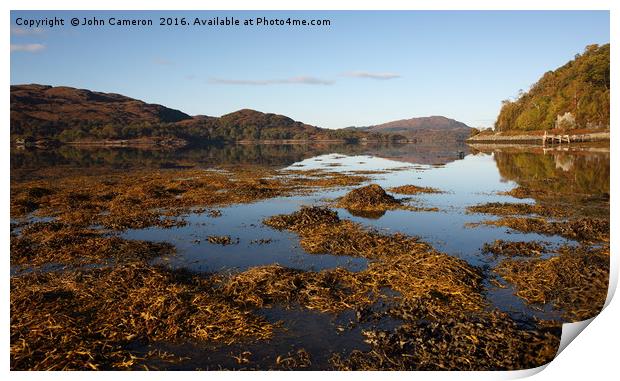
[(577, 177), (273, 155)]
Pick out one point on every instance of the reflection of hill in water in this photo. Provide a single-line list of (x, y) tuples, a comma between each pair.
[(274, 155), (570, 173), (268, 155), (421, 153)]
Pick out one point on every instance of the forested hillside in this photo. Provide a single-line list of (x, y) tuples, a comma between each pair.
[(66, 114), (575, 95)]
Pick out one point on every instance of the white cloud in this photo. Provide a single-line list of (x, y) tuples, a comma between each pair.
[(18, 31), (304, 80), (365, 74), (31, 48)]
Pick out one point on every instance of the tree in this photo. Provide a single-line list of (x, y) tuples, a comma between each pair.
[(580, 87)]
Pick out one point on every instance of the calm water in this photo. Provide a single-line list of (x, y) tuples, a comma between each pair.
[(467, 177), (472, 180)]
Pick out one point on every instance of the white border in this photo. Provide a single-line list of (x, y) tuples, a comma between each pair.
[(593, 355)]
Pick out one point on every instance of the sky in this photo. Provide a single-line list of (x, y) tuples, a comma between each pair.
[(365, 68)]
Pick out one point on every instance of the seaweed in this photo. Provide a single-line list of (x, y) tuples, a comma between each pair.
[(481, 341), (399, 262), (307, 217), (514, 249), (369, 198), (222, 240), (88, 319), (139, 199), (91, 318), (413, 189), (583, 229), (447, 324), (58, 243), (574, 281), (510, 209), (214, 213), (261, 241), (372, 201), (298, 359)]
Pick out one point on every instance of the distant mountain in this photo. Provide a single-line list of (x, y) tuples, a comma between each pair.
[(423, 129), (576, 95), (66, 114)]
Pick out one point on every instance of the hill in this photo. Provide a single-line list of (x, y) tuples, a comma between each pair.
[(46, 111), (252, 125), (573, 96), (67, 114), (423, 129)]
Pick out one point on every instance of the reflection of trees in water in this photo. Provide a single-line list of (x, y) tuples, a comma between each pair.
[(271, 155), (261, 154), (561, 172)]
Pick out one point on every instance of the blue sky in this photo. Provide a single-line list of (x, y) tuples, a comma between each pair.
[(363, 69)]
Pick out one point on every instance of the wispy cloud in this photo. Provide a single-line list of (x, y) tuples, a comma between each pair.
[(19, 31), (162, 62), (366, 74), (31, 48), (303, 80)]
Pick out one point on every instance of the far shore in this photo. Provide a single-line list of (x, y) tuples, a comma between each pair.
[(541, 137), (179, 143), (182, 142)]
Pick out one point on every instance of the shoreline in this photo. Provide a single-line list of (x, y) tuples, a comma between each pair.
[(540, 138), (599, 147)]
